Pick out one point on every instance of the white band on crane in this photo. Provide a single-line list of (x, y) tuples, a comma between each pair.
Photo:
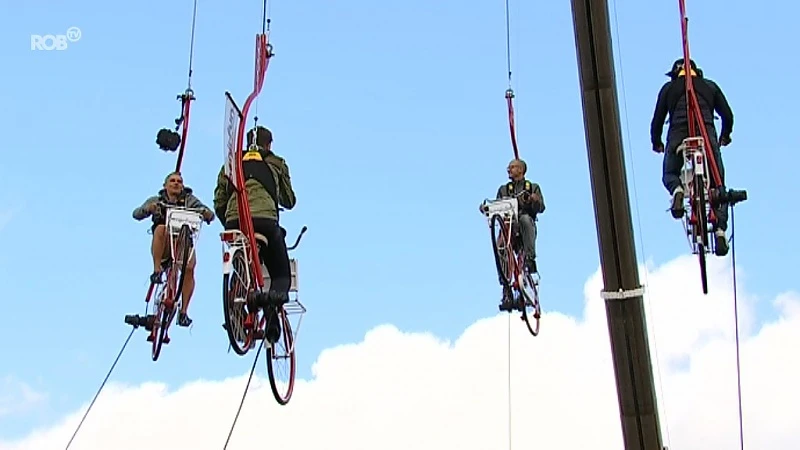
[(622, 295)]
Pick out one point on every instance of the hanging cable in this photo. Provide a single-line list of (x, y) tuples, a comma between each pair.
[(191, 45), (102, 385), (244, 395), (632, 167), (508, 42), (187, 96), (510, 92), (736, 319), (265, 24), (509, 382)]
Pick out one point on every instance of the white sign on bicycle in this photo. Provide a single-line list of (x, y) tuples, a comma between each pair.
[(233, 118)]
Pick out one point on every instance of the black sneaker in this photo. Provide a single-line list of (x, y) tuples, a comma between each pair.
[(184, 320), (677, 203), (273, 329), (720, 243), (531, 266)]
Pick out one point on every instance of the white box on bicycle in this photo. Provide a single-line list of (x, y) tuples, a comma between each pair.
[(503, 207), (178, 217)]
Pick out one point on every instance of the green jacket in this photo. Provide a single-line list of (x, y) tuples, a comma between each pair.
[(261, 203)]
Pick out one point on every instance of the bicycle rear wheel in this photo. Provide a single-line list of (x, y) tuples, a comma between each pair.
[(235, 291), (530, 302), (277, 353), (503, 255)]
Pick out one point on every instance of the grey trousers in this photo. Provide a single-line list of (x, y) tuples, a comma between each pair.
[(527, 228), (673, 164)]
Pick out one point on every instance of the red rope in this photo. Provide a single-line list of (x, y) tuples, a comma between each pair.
[(692, 105), (187, 98), (511, 124)]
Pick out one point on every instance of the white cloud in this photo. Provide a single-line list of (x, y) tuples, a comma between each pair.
[(399, 391), (18, 397)]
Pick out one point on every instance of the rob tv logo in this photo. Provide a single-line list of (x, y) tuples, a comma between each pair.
[(48, 42)]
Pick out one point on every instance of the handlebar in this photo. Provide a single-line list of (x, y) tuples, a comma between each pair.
[(183, 208), (168, 206), (299, 236)]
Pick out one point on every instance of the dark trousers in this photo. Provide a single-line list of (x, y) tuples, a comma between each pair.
[(673, 164), (275, 256)]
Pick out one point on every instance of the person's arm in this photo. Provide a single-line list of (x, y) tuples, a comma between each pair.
[(194, 203), (537, 199), (500, 192), (143, 212), (659, 116), (722, 108), (286, 196), (221, 195)]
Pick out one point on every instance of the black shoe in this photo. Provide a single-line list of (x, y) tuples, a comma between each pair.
[(677, 203), (278, 298), (184, 320), (155, 278), (721, 243), (531, 266), (273, 329), (505, 302)]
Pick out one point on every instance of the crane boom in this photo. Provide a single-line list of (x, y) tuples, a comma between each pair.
[(627, 326)]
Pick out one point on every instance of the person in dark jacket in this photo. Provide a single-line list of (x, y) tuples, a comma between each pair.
[(672, 101)]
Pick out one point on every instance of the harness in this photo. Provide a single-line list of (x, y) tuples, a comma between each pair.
[(261, 173), (510, 187), (528, 187)]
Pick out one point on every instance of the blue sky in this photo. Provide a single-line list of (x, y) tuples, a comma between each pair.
[(392, 119)]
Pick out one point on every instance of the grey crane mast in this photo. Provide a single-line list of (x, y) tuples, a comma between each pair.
[(623, 293)]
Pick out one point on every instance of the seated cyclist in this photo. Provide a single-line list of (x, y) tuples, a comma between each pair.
[(530, 205), (268, 185), (173, 193)]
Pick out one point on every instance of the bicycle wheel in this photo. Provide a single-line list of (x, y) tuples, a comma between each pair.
[(502, 254), (182, 247), (279, 352), (156, 335), (235, 290), (530, 302), (171, 294), (701, 229)]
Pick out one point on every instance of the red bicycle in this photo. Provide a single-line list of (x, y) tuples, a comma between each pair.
[(700, 170), (247, 318), (509, 257), (248, 315), (183, 231)]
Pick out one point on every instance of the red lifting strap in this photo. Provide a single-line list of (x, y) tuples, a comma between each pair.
[(511, 125), (693, 107)]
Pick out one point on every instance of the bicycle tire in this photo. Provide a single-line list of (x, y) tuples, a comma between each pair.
[(527, 279), (500, 260), (239, 264), (701, 229), (167, 307), (288, 341)]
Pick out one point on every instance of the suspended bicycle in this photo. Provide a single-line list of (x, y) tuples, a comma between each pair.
[(509, 257), (705, 194), (248, 314), (183, 231)]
